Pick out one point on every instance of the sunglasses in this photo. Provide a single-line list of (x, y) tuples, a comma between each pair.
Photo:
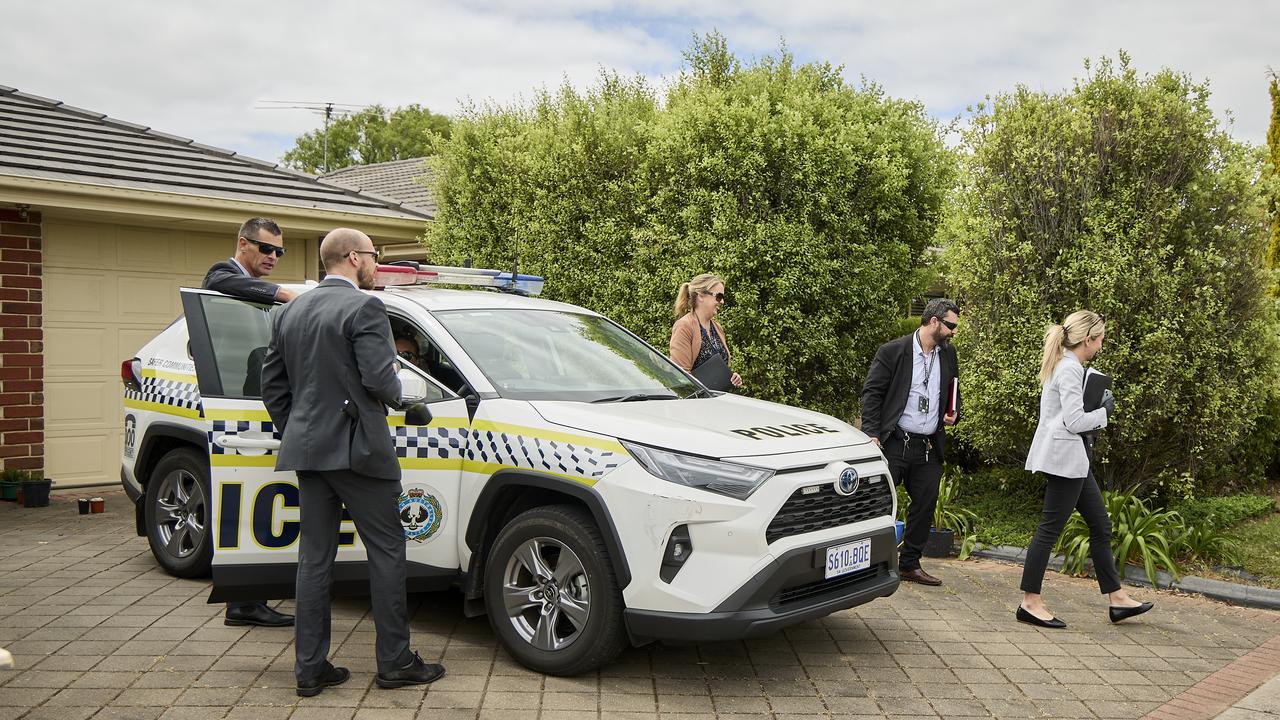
[(409, 355), (950, 325), (267, 248), (1102, 318), (718, 296), (374, 253)]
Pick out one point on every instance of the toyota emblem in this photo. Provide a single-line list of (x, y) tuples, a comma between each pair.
[(847, 483)]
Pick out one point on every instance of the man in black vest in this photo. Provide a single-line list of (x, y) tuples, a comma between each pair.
[(906, 406), (258, 246)]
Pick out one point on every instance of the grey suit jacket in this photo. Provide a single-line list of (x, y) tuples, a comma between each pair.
[(1057, 448), (227, 278), (327, 379)]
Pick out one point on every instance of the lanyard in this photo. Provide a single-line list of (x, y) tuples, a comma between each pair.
[(928, 362)]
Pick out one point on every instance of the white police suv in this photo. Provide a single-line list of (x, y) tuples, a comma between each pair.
[(577, 486)]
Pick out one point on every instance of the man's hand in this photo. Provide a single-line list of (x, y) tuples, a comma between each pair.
[(735, 380), (950, 418), (876, 440), (285, 295)]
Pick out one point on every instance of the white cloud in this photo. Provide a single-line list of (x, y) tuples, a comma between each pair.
[(198, 69)]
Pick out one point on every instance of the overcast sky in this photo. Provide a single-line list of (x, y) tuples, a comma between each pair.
[(200, 69)]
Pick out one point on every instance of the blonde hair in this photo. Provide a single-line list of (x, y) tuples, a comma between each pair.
[(1078, 326), (684, 296)]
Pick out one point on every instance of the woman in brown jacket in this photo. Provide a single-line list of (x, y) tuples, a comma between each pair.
[(696, 336)]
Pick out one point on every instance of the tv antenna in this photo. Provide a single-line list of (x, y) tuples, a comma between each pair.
[(327, 109)]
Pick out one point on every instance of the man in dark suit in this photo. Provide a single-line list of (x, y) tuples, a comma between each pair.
[(905, 412), (328, 376), (258, 245)]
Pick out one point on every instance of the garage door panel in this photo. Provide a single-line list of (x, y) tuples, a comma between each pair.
[(83, 405), (76, 459), (131, 340), (72, 352), (149, 299), (78, 245), (200, 250), (73, 295), (147, 249)]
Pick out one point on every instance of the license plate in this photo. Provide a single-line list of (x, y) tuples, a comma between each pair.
[(847, 558)]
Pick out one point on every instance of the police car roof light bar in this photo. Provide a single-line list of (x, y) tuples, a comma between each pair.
[(399, 273)]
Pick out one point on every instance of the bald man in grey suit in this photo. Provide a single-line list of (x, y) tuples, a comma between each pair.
[(327, 378)]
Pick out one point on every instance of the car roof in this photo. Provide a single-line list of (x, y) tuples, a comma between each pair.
[(434, 299)]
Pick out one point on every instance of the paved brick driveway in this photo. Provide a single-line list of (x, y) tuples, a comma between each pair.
[(98, 631)]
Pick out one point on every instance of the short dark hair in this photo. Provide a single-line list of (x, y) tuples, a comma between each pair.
[(938, 308), (249, 230)]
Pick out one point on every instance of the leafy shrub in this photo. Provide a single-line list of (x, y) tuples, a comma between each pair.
[(1220, 513), (1139, 534), (947, 513), (814, 200), (1006, 503), (1206, 544), (1126, 196)]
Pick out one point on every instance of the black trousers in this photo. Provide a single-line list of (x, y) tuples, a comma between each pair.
[(1062, 496), (372, 503), (915, 465)]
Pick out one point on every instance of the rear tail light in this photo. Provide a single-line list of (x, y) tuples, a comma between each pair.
[(131, 374)]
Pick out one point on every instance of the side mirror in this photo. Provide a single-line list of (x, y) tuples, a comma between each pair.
[(417, 414), (413, 389)]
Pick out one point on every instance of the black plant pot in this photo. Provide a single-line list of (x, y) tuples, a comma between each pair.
[(939, 543), (35, 493)]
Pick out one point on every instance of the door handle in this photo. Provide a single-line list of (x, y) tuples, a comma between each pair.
[(237, 441)]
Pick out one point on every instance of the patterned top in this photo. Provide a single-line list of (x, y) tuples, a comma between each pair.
[(710, 345)]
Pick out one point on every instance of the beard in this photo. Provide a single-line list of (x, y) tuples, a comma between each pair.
[(365, 276), (939, 339)]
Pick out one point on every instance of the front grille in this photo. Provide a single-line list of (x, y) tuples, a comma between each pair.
[(808, 590), (827, 509)]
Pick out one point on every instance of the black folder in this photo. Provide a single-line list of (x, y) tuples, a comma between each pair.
[(714, 373), (1094, 383)]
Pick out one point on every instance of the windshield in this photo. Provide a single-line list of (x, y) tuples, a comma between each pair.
[(555, 355)]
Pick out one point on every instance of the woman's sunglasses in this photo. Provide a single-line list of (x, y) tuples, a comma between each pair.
[(718, 296)]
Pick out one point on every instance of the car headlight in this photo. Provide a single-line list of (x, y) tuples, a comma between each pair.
[(725, 478)]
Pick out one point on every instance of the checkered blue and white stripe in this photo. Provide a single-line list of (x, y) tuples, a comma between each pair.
[(260, 428), (441, 443), (167, 392), (540, 454)]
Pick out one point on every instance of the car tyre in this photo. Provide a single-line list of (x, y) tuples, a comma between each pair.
[(177, 514), (565, 618)]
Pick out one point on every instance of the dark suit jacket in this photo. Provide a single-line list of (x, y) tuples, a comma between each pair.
[(227, 278), (327, 379), (884, 394)]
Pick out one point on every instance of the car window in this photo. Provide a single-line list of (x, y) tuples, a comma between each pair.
[(556, 355), (417, 348), (239, 332)]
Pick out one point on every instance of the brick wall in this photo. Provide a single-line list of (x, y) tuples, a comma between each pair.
[(21, 341)]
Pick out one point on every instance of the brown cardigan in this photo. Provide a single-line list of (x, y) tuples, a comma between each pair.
[(686, 340)]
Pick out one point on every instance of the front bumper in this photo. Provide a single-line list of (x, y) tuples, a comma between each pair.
[(789, 590)]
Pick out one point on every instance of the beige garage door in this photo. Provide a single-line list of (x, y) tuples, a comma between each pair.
[(108, 289)]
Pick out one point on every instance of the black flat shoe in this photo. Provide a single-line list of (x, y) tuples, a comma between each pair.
[(1123, 613), (258, 614), (1026, 617), (330, 677), (416, 672)]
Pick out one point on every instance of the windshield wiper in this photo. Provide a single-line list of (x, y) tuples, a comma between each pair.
[(634, 398), (699, 392)]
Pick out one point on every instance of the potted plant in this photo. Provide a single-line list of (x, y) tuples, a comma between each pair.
[(35, 491), (10, 481), (948, 518)]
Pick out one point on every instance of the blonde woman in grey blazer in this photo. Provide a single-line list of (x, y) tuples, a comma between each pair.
[(1059, 451)]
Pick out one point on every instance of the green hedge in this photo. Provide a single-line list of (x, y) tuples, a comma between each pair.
[(814, 200)]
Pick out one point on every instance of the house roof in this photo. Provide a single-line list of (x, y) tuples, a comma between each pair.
[(409, 181), (46, 139)]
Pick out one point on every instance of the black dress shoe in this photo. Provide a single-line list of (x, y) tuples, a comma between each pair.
[(330, 677), (1121, 613), (415, 673), (258, 614), (1026, 617), (919, 576)]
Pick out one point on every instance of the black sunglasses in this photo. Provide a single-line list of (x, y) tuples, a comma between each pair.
[(409, 355), (268, 248), (718, 296), (950, 325), (1102, 318)]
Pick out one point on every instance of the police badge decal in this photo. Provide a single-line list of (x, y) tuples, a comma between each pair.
[(421, 514)]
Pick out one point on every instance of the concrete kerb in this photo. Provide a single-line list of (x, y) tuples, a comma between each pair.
[(1235, 593)]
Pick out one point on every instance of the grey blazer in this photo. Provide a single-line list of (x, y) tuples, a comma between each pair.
[(1057, 448), (327, 379)]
